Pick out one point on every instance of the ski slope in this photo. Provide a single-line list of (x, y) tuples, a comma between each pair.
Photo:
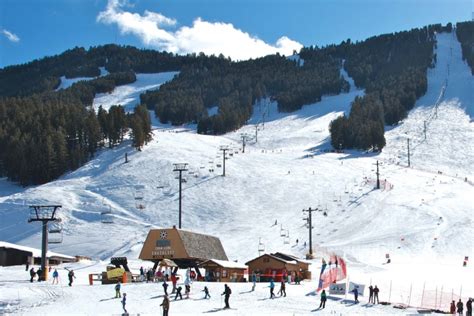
[(129, 95), (66, 83), (421, 218)]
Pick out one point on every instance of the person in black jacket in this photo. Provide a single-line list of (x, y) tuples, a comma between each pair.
[(371, 294), (376, 294), (227, 292), (460, 307), (32, 274), (178, 293), (71, 275), (469, 307)]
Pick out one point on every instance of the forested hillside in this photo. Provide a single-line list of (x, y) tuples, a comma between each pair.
[(392, 69), (465, 34)]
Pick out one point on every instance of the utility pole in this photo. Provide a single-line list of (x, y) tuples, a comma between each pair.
[(310, 222), (244, 141), (223, 149), (180, 167), (43, 214), (256, 133), (408, 150), (424, 128), (378, 174)]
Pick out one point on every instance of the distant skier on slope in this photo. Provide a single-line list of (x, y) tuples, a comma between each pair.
[(282, 290), (55, 276), (178, 293), (32, 274), (124, 302), (272, 287), (117, 290), (206, 292), (165, 287), (71, 275), (227, 293), (323, 299), (356, 294)]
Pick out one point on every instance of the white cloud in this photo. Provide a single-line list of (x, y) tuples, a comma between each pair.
[(207, 37), (11, 37)]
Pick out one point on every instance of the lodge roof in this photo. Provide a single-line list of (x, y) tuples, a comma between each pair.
[(273, 257), (36, 253), (225, 264), (202, 246)]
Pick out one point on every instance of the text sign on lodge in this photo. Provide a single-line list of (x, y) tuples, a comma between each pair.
[(162, 248)]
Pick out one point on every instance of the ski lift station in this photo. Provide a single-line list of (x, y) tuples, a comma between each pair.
[(190, 250)]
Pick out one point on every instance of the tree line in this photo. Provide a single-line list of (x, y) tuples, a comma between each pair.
[(465, 34), (393, 70), (45, 135)]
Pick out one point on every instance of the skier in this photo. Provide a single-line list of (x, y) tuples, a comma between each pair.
[(323, 299), (165, 287), (206, 291), (371, 294), (356, 294), (71, 275), (297, 241), (117, 290), (178, 293), (459, 307), (166, 305), (174, 280), (55, 276), (272, 286), (469, 307), (142, 272), (282, 290), (376, 294), (254, 281), (452, 308), (187, 286), (32, 274), (227, 293), (39, 272), (124, 302)]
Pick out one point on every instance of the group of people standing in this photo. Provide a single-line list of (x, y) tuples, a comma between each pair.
[(41, 277), (458, 308)]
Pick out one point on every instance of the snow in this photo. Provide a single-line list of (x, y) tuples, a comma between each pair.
[(296, 58), (212, 111), (66, 83), (129, 95), (420, 217)]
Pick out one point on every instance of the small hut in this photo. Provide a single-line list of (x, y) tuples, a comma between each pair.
[(278, 266), (224, 271)]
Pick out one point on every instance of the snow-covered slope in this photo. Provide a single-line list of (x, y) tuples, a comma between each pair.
[(66, 83), (423, 219), (129, 95)]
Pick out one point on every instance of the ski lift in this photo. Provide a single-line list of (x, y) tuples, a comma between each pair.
[(286, 241), (219, 165), (231, 154), (139, 192), (55, 232), (106, 216), (261, 246)]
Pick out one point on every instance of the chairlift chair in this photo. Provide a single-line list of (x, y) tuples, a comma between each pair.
[(106, 216), (55, 233)]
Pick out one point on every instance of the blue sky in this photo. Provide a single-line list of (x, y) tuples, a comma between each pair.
[(241, 29)]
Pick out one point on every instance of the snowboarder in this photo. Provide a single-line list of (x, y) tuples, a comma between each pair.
[(124, 302), (272, 286), (282, 290), (371, 294), (469, 307), (356, 294), (459, 307), (206, 291), (166, 305), (71, 275), (452, 308), (254, 281), (376, 294), (32, 274), (178, 293), (227, 293), (55, 276), (117, 290), (165, 287), (323, 299)]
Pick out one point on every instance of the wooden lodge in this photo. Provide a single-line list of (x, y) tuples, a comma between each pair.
[(187, 249), (13, 254), (224, 271), (278, 266)]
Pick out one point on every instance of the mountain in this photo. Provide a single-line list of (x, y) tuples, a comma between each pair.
[(421, 216)]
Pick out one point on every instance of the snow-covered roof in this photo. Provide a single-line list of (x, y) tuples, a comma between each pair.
[(227, 264), (34, 252), (276, 258)]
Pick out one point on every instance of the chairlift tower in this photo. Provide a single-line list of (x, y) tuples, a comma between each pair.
[(224, 149), (44, 214), (180, 167), (310, 224), (245, 138)]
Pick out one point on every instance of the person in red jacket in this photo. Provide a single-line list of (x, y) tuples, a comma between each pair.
[(174, 280), (452, 309)]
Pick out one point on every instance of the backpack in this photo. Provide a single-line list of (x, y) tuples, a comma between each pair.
[(230, 291)]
